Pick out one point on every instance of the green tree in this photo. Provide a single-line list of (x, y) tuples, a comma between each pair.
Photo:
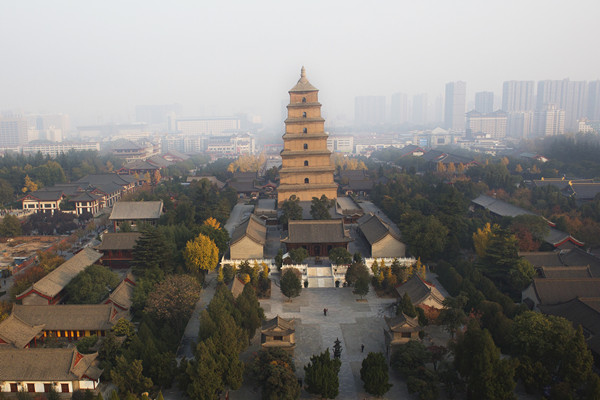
[(7, 192), (356, 271), (291, 284), (92, 285), (361, 287), (152, 255), (298, 255), (201, 254), (408, 357), (11, 226), (250, 310), (128, 376), (426, 236), (321, 375), (477, 359), (452, 315), (374, 374), (173, 300), (273, 370), (339, 255), (319, 208), (406, 306), (291, 210), (205, 372)]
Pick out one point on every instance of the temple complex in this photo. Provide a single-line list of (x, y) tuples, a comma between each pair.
[(307, 170)]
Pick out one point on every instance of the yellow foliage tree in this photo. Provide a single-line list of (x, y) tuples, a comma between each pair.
[(451, 168), (420, 269), (460, 168), (245, 278), (504, 161), (201, 254), (441, 167), (30, 186), (213, 223), (518, 168), (481, 239)]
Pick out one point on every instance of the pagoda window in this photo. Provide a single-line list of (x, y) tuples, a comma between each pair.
[(304, 99), (306, 180), (305, 146), (306, 163), (305, 130), (304, 114)]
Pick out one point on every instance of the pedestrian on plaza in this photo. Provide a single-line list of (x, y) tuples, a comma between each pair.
[(362, 348), (325, 312)]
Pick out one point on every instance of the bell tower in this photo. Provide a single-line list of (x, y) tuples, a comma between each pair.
[(306, 170)]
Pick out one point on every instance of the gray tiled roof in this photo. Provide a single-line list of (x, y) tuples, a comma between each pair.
[(47, 364), (543, 258), (119, 241), (374, 229), (561, 290), (566, 272), (55, 281), (136, 210), (46, 195), (73, 317), (419, 291), (278, 326), (402, 323), (252, 228), (15, 332), (317, 231)]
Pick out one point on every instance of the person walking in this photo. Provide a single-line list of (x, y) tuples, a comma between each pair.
[(325, 312), (362, 348)]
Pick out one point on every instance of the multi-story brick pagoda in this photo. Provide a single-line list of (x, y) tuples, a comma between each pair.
[(307, 170)]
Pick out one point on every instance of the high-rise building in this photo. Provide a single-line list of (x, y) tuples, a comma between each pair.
[(156, 114), (419, 109), (552, 92), (454, 110), (492, 124), (593, 112), (306, 167), (13, 132), (575, 104), (399, 108), (369, 110), (517, 96), (225, 126), (484, 102), (520, 124), (550, 121)]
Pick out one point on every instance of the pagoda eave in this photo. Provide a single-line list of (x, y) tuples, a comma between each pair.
[(305, 152)]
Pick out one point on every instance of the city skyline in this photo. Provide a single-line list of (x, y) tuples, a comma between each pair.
[(97, 62)]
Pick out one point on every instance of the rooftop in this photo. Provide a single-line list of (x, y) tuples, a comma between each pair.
[(133, 210)]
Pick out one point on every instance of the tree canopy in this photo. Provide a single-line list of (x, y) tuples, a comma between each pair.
[(374, 374), (201, 254), (319, 208), (291, 283), (321, 375), (92, 285)]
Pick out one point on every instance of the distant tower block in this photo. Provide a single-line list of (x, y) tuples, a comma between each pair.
[(306, 170)]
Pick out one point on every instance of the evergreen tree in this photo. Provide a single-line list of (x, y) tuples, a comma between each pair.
[(291, 210), (321, 375), (291, 284), (250, 310), (319, 208), (374, 374), (152, 255), (361, 287)]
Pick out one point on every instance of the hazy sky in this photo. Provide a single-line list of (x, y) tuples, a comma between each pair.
[(96, 60)]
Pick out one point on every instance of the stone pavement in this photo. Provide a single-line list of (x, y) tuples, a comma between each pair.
[(190, 336), (353, 322)]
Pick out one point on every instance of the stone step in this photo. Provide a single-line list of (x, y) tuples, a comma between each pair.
[(322, 282)]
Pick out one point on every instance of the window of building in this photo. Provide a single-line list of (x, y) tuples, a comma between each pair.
[(304, 99), (304, 114), (306, 180), (405, 334), (14, 388), (305, 146), (31, 387), (47, 387), (277, 337), (306, 163), (304, 130), (64, 387)]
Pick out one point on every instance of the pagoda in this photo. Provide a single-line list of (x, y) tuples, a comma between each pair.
[(307, 170)]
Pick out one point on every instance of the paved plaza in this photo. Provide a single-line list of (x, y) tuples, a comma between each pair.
[(353, 322)]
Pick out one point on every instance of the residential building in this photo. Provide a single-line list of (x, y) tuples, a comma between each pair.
[(419, 109), (43, 201), (484, 102), (492, 124), (593, 112), (399, 108), (520, 124), (56, 148), (307, 170), (13, 132), (517, 96), (340, 143), (455, 105), (221, 126), (369, 110), (549, 121)]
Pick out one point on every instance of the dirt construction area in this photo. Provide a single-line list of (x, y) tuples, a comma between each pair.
[(24, 246)]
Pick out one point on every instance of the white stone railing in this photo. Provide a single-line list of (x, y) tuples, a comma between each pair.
[(252, 261), (303, 268), (339, 271)]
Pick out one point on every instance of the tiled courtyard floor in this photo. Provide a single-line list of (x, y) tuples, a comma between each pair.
[(354, 323)]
